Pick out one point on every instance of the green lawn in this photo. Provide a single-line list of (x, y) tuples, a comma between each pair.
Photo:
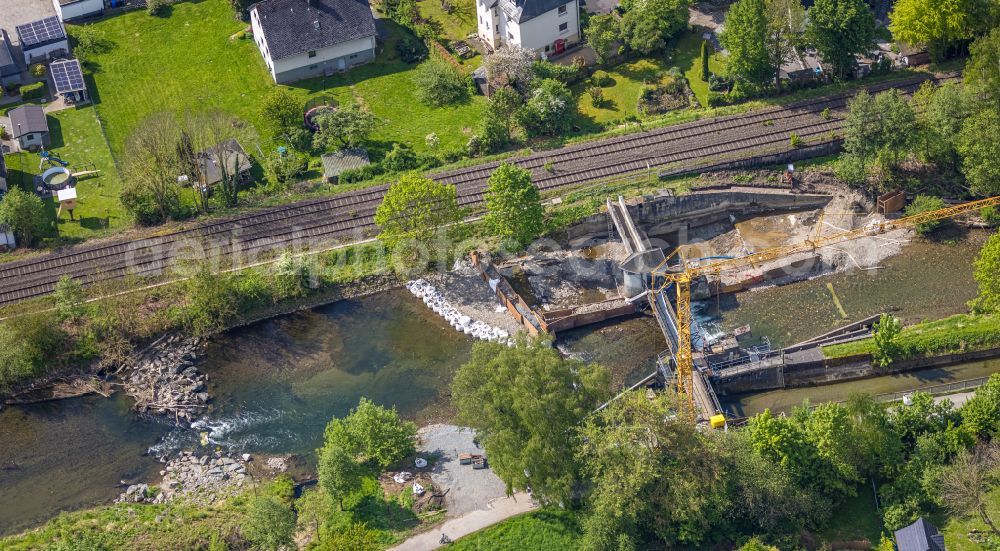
[(550, 529), (456, 25), (621, 98), (687, 56), (855, 519), (186, 62), (956, 530), (951, 334), (76, 137), (386, 89)]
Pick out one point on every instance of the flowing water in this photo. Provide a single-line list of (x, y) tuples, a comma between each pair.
[(275, 385)]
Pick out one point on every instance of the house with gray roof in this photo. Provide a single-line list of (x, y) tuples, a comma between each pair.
[(919, 536), (346, 159), (308, 38), (547, 27), (29, 127), (10, 73)]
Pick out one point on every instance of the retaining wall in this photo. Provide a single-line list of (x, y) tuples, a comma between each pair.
[(658, 215), (836, 370)]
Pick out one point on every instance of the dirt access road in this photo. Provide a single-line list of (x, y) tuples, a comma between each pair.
[(238, 241)]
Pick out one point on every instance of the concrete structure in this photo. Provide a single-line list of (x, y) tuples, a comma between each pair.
[(10, 73), (29, 127), (339, 161), (68, 10), (307, 38), (42, 40), (919, 536), (547, 27)]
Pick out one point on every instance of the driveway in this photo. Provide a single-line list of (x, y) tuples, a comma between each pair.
[(497, 511)]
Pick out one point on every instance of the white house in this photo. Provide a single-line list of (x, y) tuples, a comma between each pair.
[(42, 40), (307, 38), (78, 9), (546, 27)]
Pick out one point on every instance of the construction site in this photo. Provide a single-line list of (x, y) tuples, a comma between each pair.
[(672, 257)]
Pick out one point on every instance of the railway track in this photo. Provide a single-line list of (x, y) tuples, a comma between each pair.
[(349, 217)]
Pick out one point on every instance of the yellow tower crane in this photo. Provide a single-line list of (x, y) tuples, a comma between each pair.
[(682, 277)]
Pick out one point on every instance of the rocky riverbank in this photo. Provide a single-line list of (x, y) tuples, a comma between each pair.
[(164, 379), (202, 480)]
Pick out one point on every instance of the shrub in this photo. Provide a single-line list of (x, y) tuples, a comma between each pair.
[(88, 43), (35, 90), (28, 347), (354, 175), (69, 299), (38, 70), (704, 60), (549, 110), (269, 523), (596, 95), (795, 140), (884, 339), (25, 214), (925, 203), (156, 7), (437, 83), (280, 169), (717, 83), (563, 73), (601, 79), (990, 216), (411, 49), (401, 158)]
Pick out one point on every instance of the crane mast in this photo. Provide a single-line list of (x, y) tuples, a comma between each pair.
[(663, 276)]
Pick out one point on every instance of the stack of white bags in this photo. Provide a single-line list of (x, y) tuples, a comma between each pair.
[(435, 301)]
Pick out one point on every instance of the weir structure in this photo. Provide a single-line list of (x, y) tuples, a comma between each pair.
[(679, 364)]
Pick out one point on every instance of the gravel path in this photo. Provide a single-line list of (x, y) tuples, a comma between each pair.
[(468, 489)]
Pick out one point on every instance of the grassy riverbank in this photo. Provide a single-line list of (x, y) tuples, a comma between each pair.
[(959, 333)]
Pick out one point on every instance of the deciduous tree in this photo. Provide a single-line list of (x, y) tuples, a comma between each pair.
[(982, 72), (987, 274), (648, 24), (982, 412), (943, 25), (281, 111), (652, 475), (500, 119), (415, 208), (548, 112), (69, 298), (966, 483), (340, 475), (980, 151), (269, 523), (513, 205), (374, 435), (841, 29), (346, 126), (603, 33), (24, 213), (524, 403), (437, 83), (761, 36), (884, 337)]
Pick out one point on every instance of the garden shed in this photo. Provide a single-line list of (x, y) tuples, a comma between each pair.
[(231, 153), (919, 536), (29, 127), (337, 162)]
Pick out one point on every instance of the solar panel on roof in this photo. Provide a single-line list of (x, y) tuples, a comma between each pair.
[(40, 31), (67, 75)]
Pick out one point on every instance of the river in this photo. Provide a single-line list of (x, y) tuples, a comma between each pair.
[(275, 386), (277, 383)]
